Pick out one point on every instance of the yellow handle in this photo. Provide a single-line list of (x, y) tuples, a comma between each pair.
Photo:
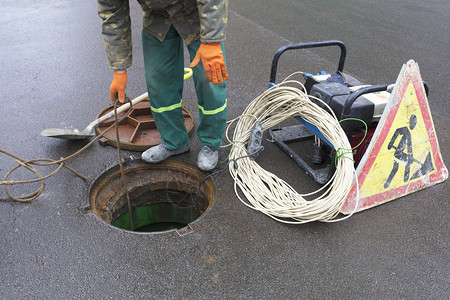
[(187, 73)]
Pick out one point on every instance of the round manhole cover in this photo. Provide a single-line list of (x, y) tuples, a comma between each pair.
[(163, 196), (137, 131)]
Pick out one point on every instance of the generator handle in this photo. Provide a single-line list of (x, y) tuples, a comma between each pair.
[(366, 90), (273, 71)]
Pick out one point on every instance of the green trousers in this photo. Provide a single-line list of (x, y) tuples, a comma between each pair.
[(164, 72)]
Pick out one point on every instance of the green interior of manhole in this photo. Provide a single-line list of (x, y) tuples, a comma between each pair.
[(157, 217)]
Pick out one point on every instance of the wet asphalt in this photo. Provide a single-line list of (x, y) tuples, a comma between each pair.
[(54, 73)]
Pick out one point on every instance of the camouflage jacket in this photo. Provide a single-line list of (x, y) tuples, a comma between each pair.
[(193, 19)]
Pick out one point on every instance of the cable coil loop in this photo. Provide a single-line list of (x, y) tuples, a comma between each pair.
[(267, 193)]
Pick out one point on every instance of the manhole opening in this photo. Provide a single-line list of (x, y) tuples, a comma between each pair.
[(163, 197)]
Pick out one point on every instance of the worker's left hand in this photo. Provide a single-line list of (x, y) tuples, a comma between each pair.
[(211, 56)]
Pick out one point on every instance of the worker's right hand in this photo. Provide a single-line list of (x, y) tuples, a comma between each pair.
[(117, 88)]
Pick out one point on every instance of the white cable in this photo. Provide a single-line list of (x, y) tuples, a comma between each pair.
[(271, 195)]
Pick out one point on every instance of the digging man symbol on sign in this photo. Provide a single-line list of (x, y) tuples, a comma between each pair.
[(406, 157)]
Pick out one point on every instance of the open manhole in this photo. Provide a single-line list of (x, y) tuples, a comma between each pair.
[(163, 197)]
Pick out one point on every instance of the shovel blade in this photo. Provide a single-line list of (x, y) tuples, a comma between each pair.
[(67, 133)]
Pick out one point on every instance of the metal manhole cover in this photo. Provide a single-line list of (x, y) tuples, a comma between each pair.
[(138, 131)]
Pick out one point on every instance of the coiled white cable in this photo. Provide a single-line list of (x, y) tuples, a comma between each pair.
[(271, 195)]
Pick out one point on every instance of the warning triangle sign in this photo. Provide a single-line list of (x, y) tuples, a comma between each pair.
[(403, 155)]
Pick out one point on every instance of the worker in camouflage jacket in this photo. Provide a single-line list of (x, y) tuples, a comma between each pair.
[(167, 24)]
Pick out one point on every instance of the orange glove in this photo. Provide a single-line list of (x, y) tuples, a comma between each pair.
[(117, 88), (213, 62)]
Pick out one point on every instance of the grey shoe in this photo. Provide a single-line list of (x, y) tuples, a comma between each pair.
[(159, 153), (207, 158)]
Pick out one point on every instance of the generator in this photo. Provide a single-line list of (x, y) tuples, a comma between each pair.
[(357, 106)]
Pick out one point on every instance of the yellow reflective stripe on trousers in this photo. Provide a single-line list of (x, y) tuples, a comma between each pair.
[(215, 111), (167, 108)]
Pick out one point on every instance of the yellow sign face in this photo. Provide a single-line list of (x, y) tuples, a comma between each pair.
[(403, 155), (404, 152)]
